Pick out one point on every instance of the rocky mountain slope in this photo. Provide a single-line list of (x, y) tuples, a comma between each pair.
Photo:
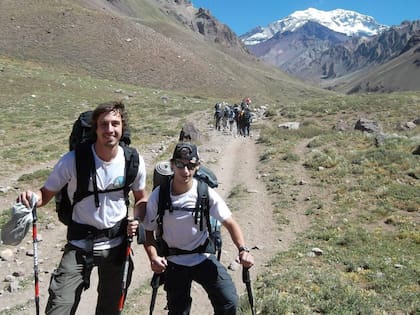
[(399, 73), (370, 52), (295, 52), (332, 49), (153, 43)]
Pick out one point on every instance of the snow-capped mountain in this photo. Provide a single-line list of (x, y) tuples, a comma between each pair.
[(341, 21)]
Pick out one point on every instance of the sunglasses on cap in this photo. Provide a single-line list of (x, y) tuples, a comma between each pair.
[(189, 165)]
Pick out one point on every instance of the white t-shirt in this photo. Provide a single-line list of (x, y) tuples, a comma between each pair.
[(109, 175), (179, 228)]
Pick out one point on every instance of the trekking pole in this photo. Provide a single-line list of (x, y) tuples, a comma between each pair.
[(219, 253), (247, 280), (125, 275), (35, 246), (219, 244), (155, 285)]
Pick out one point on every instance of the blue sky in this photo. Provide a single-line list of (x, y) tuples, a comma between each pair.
[(243, 15)]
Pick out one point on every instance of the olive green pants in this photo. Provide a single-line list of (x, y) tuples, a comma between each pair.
[(69, 280)]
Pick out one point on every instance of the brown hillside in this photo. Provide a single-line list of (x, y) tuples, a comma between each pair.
[(143, 42)]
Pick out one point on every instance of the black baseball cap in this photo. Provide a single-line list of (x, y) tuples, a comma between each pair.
[(186, 151)]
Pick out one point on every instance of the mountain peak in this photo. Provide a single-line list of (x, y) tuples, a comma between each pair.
[(343, 21)]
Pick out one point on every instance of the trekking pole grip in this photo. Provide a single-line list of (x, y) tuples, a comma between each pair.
[(154, 283), (245, 275)]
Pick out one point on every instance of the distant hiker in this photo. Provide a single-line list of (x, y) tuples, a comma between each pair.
[(99, 226), (225, 119), (246, 118), (243, 117), (231, 118), (236, 111), (244, 121), (218, 114), (181, 253), (246, 102)]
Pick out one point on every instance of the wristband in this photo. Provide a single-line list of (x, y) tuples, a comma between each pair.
[(243, 249)]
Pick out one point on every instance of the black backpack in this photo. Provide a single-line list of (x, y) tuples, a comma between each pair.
[(247, 116), (206, 178), (80, 140)]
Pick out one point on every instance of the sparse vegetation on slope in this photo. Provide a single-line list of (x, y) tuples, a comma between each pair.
[(363, 203)]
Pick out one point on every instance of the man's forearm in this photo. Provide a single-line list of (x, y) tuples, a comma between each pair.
[(139, 210)]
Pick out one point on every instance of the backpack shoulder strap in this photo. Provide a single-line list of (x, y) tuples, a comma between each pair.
[(201, 209), (163, 203), (132, 162), (85, 167), (203, 204)]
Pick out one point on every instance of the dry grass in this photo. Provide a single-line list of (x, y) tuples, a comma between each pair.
[(363, 207)]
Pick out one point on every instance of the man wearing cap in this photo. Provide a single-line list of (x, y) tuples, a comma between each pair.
[(181, 233)]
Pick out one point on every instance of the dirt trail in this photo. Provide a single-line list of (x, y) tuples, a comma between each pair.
[(235, 164), (235, 161)]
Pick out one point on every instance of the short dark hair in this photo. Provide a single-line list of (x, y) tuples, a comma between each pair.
[(113, 106)]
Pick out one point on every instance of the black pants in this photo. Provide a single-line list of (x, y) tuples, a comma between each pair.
[(214, 278), (68, 280)]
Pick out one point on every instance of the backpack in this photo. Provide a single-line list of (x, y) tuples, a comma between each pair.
[(231, 115), (218, 114), (226, 112), (206, 178), (80, 140), (247, 116)]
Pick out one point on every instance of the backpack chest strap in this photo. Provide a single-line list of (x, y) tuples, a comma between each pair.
[(77, 231), (186, 209)]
